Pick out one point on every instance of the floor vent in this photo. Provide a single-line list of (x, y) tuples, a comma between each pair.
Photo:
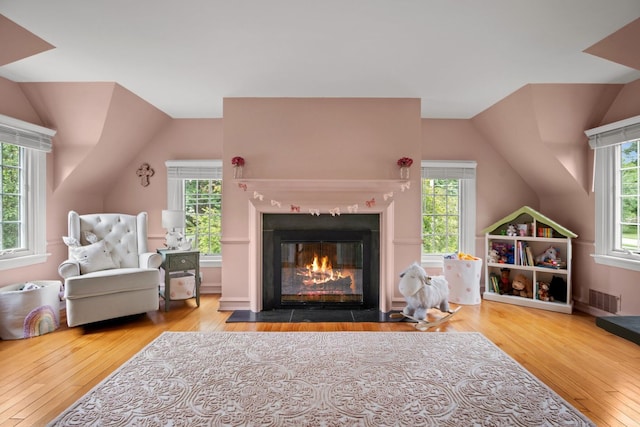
[(602, 301)]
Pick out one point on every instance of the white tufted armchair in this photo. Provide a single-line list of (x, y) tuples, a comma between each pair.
[(127, 284)]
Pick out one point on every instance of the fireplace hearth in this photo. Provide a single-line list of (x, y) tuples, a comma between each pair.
[(321, 262)]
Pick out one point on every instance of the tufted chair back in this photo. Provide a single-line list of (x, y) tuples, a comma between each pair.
[(125, 235)]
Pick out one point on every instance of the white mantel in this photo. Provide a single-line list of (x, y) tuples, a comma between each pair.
[(322, 196)]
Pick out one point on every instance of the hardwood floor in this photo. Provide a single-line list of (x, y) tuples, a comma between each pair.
[(597, 372)]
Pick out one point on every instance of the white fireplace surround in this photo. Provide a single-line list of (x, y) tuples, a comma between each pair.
[(324, 195)]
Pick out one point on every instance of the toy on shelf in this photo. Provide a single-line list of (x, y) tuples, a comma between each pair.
[(493, 256), (543, 291), (522, 286), (550, 258), (505, 281)]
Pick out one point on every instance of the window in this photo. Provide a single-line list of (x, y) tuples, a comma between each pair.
[(617, 192), (195, 186), (448, 209), (23, 164)]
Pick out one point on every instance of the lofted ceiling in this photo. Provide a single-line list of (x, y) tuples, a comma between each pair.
[(460, 57)]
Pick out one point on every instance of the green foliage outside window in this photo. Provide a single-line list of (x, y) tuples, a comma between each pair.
[(11, 197), (203, 214), (440, 216), (629, 217)]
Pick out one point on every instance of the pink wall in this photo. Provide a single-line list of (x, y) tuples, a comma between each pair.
[(499, 187), (311, 139), (179, 139), (530, 149), (539, 130)]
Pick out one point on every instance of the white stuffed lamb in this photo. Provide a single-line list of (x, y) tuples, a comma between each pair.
[(423, 292)]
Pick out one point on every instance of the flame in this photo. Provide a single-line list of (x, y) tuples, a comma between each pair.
[(321, 271)]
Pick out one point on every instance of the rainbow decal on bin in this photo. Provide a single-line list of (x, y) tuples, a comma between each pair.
[(40, 321)]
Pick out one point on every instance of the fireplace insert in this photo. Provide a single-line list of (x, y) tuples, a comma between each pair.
[(314, 263)]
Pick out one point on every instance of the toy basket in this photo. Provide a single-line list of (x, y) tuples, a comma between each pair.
[(463, 277), (29, 313)]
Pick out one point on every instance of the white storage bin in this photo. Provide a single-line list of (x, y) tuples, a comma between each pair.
[(182, 286), (30, 313), (464, 280)]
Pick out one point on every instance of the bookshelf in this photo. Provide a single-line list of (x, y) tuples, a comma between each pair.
[(520, 247)]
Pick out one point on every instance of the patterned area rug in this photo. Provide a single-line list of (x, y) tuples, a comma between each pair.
[(321, 379)]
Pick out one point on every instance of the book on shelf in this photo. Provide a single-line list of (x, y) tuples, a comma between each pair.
[(495, 283), (525, 256), (530, 258), (545, 232)]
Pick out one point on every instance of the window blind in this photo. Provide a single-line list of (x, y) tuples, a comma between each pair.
[(194, 169), (24, 134), (433, 169), (614, 133)]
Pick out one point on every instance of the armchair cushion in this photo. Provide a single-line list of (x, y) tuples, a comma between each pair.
[(111, 282), (93, 257)]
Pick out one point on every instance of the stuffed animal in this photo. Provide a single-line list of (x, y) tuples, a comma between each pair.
[(548, 256), (522, 286), (505, 285), (543, 292), (493, 256), (511, 230), (422, 292), (558, 289)]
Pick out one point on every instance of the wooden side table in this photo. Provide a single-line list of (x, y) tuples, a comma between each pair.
[(179, 261)]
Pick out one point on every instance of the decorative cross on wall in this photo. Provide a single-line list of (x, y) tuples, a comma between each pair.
[(145, 172)]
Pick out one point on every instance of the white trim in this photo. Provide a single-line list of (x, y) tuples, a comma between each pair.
[(23, 261), (605, 202), (613, 126), (34, 212)]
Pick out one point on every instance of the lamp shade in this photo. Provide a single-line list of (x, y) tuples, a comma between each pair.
[(172, 219)]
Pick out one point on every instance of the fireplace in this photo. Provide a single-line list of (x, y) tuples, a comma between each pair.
[(321, 261)]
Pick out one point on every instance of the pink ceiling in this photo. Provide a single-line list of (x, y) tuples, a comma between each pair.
[(17, 43), (620, 47)]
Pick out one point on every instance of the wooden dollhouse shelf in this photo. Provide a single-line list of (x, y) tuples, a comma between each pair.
[(538, 233)]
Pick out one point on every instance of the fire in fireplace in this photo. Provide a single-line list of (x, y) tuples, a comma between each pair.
[(315, 262), (321, 271)]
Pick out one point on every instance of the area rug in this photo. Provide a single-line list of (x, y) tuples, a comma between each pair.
[(321, 379)]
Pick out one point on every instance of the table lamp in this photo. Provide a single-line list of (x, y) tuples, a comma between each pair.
[(172, 219)]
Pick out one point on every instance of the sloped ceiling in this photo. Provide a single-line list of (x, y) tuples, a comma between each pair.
[(458, 57), (539, 128), (621, 46), (539, 132), (20, 42), (100, 127)]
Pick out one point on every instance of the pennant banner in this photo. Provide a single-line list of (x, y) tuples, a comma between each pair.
[(352, 208)]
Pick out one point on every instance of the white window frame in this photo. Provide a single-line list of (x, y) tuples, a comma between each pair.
[(36, 142), (465, 171), (605, 140), (177, 172)]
